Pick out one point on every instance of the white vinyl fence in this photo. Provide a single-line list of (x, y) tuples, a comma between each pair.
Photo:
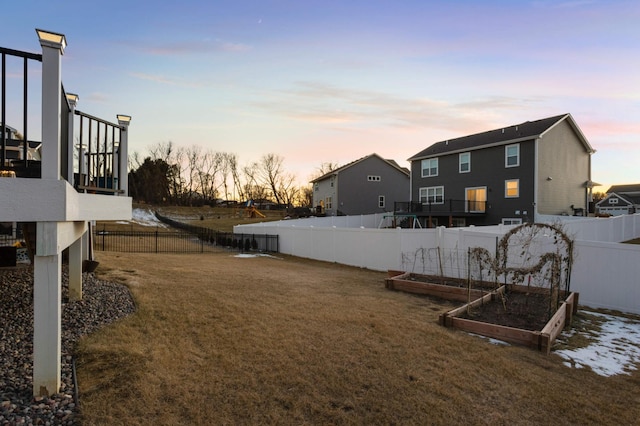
[(605, 272)]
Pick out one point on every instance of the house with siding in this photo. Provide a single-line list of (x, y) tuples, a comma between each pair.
[(620, 199), (368, 185), (507, 175)]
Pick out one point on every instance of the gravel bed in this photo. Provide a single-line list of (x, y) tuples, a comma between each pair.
[(103, 303)]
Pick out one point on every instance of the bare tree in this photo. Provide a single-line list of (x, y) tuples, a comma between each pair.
[(270, 175), (324, 168)]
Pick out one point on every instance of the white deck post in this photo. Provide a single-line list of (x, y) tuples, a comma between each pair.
[(47, 291), (47, 307), (123, 156), (72, 99), (52, 50), (75, 270)]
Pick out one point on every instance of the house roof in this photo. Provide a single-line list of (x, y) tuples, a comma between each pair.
[(622, 189), (502, 136), (392, 163)]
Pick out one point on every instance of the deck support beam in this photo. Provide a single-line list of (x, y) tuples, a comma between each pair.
[(47, 308)]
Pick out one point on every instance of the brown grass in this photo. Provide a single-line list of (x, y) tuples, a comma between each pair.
[(225, 340), (219, 218)]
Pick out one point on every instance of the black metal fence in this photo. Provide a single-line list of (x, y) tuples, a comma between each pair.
[(189, 239), (166, 241), (255, 242)]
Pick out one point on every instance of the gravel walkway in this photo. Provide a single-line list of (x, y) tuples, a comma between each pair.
[(103, 303)]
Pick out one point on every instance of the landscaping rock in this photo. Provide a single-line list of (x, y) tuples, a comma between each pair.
[(103, 303)]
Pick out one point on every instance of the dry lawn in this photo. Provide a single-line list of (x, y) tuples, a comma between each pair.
[(219, 218), (225, 340)]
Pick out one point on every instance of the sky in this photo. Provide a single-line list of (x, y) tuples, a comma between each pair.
[(332, 81)]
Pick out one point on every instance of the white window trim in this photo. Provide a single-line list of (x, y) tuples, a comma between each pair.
[(426, 189), (373, 178), (429, 168), (512, 221), (506, 155), (613, 200), (506, 190), (466, 198), (381, 201), (460, 162)]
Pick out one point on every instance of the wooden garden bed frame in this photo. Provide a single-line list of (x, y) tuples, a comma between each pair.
[(540, 340), (407, 282)]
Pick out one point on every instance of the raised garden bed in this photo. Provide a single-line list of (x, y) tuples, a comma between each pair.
[(442, 287), (512, 313)]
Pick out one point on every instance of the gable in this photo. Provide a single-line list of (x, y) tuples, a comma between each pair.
[(368, 158), (615, 200)]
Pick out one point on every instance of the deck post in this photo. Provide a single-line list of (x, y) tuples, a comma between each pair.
[(123, 156), (47, 272), (52, 50), (75, 270), (72, 99), (47, 307)]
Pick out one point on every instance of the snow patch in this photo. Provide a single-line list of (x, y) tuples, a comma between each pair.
[(144, 217), (614, 350)]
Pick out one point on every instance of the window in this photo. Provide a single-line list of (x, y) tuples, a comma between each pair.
[(372, 178), (430, 167), (476, 199), (432, 195), (381, 201), (316, 186), (327, 203), (458, 222), (512, 188), (510, 221), (512, 155), (613, 200), (465, 162)]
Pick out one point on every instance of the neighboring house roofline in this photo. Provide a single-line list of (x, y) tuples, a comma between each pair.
[(528, 130), (629, 188), (335, 172)]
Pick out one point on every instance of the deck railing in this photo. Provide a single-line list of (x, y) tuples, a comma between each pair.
[(90, 147), (98, 156), (443, 207), (21, 148)]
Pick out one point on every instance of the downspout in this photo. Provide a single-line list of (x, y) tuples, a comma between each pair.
[(410, 182)]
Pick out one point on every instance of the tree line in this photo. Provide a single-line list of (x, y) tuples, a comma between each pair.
[(194, 176)]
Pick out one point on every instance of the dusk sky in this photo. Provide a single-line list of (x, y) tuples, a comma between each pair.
[(333, 81)]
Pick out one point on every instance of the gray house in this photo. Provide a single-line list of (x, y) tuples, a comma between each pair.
[(507, 175), (620, 199), (368, 185)]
